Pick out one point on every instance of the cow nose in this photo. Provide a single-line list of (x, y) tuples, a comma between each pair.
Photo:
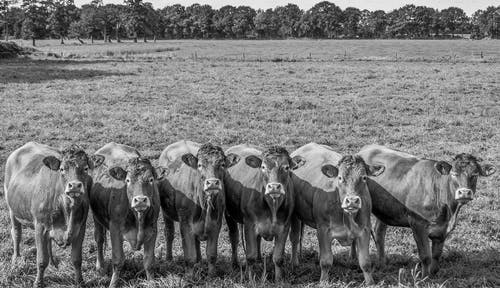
[(464, 194), (140, 203), (75, 185), (351, 203), (212, 183), (74, 189), (273, 187)]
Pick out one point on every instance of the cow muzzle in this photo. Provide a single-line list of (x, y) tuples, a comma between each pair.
[(351, 204), (275, 189), (74, 189), (140, 203), (464, 195), (212, 184)]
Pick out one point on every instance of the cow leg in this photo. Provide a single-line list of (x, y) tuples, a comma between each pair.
[(198, 250), (117, 255), (252, 250), (169, 235), (212, 252), (437, 250), (149, 253), (100, 239), (42, 253), (233, 238), (354, 253), (295, 231), (420, 233), (76, 254), (325, 252), (363, 247), (16, 235), (259, 246), (189, 245), (279, 250), (380, 230)]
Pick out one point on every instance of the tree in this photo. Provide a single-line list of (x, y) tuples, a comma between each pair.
[(266, 23), (243, 21), (173, 18), (5, 6), (63, 13), (453, 20), (289, 20), (35, 20), (352, 18), (325, 20), (135, 18), (223, 21), (200, 20)]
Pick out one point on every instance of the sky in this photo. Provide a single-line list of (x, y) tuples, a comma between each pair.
[(469, 6)]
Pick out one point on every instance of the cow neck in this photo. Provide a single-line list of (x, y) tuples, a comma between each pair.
[(350, 222), (445, 202), (140, 216), (454, 205), (69, 212)]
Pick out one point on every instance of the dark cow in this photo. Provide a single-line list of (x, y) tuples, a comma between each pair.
[(260, 195), (49, 188), (422, 194), (125, 201), (193, 194), (332, 196)]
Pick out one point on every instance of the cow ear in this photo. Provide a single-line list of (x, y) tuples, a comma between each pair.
[(253, 161), (118, 173), (190, 160), (52, 162), (443, 167), (95, 161), (232, 159), (161, 172), (374, 170), (330, 171), (487, 170), (297, 161)]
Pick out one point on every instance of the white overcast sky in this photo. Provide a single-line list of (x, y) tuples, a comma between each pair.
[(469, 6)]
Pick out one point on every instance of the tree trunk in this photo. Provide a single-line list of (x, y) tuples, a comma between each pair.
[(62, 40), (105, 33), (92, 39), (145, 40), (154, 38), (135, 37), (33, 41), (118, 33)]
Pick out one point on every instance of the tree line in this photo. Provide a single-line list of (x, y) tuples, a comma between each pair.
[(39, 19)]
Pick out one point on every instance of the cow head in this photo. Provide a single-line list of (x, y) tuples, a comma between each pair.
[(351, 173), (463, 171), (276, 166), (211, 164), (73, 167), (140, 178)]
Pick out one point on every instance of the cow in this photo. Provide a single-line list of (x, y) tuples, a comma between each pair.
[(125, 201), (331, 196), (193, 194), (48, 189), (425, 195), (260, 195)]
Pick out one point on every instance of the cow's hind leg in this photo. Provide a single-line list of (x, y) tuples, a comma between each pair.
[(100, 239), (420, 233), (234, 239), (437, 250), (325, 253), (16, 232), (363, 251), (169, 236), (42, 254), (380, 230)]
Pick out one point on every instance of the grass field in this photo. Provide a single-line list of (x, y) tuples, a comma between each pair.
[(438, 98)]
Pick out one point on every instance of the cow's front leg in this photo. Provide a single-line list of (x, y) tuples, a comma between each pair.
[(189, 245), (295, 233), (363, 250), (380, 230), (100, 239), (212, 241), (149, 252), (169, 235), (42, 252), (420, 233), (437, 250), (279, 250), (233, 238), (325, 252), (252, 251), (117, 255), (16, 232), (76, 254)]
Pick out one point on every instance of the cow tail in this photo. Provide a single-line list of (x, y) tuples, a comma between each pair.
[(242, 236)]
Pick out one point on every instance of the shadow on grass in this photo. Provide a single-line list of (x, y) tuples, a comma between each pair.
[(26, 70)]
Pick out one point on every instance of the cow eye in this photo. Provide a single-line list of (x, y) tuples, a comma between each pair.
[(341, 179), (364, 178), (127, 180), (286, 168), (199, 166), (151, 180), (454, 174), (86, 169), (61, 170)]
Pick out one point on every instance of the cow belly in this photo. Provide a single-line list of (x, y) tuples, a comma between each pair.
[(267, 230)]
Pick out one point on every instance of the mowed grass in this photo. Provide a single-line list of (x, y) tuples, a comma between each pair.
[(431, 106)]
